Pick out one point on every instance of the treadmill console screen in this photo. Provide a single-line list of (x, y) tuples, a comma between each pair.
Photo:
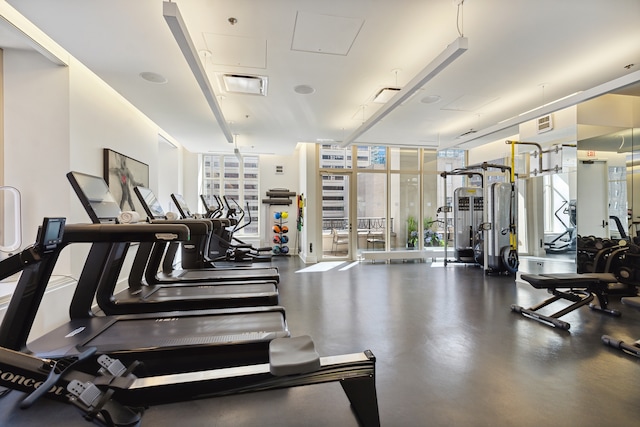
[(50, 234), (150, 203), (95, 197), (182, 205)]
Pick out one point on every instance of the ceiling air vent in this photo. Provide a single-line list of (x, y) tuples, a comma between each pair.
[(246, 84), (385, 94), (545, 124), (469, 132)]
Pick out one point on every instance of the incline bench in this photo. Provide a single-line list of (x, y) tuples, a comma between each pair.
[(579, 289)]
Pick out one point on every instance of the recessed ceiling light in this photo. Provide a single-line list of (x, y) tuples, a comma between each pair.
[(430, 99), (154, 77), (304, 89)]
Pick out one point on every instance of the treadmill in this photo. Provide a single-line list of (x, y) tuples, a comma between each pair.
[(104, 209), (159, 267), (166, 342), (140, 298), (117, 393)]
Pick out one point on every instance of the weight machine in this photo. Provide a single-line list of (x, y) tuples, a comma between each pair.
[(484, 220)]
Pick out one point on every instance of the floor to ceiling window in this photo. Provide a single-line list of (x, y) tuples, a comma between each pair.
[(395, 201), (235, 179), (404, 196)]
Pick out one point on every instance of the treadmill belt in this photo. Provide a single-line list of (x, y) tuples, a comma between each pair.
[(190, 330), (204, 291), (240, 274)]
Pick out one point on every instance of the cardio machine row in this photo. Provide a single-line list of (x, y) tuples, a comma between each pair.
[(168, 325)]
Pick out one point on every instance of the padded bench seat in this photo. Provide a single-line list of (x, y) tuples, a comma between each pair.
[(569, 280), (577, 289)]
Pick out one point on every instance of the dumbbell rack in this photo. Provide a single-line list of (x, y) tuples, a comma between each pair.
[(280, 230)]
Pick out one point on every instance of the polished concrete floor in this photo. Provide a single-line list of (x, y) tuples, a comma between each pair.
[(449, 353)]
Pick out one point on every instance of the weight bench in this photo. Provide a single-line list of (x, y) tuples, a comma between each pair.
[(632, 349), (579, 289)]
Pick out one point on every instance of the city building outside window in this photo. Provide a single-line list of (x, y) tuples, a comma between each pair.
[(236, 180)]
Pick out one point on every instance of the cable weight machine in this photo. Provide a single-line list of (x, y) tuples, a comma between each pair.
[(484, 220)]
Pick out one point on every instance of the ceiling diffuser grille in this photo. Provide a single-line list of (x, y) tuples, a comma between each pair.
[(246, 84), (545, 124)]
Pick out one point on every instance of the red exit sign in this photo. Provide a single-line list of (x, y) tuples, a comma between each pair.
[(591, 153)]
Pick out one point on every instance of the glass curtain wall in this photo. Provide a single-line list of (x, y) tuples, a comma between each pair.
[(335, 215), (447, 161), (375, 230), (238, 181), (433, 224), (405, 198), (335, 200), (397, 195)]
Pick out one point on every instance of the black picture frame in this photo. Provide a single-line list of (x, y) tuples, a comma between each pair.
[(121, 174)]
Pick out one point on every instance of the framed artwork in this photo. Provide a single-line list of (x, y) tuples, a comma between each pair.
[(122, 173)]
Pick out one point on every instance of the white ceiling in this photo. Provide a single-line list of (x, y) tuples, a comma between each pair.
[(522, 54)]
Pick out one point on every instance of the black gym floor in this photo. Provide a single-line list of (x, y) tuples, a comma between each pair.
[(449, 353)]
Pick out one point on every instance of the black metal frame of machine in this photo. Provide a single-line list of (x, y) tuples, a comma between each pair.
[(490, 242), (111, 393)]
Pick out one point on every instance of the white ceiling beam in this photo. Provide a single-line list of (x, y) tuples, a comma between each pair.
[(439, 63), (181, 34), (561, 104)]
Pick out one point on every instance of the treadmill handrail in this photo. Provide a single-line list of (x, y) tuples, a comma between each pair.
[(200, 227), (92, 233)]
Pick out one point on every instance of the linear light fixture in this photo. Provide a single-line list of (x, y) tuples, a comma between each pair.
[(181, 34), (439, 63), (552, 107), (28, 33)]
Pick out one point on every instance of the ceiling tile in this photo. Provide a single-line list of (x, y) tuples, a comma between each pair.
[(325, 34), (237, 51), (470, 103)]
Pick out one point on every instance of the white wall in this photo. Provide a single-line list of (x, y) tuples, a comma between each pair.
[(312, 211), (36, 155), (564, 129), (170, 170), (191, 178), (303, 187), (490, 152), (269, 179), (60, 119), (100, 118)]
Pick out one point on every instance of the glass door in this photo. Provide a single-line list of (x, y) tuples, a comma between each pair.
[(336, 220), (374, 231)]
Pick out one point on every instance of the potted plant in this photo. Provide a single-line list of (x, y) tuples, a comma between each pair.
[(431, 237), (412, 232)]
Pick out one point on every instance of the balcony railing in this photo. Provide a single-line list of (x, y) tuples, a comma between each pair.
[(372, 224)]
